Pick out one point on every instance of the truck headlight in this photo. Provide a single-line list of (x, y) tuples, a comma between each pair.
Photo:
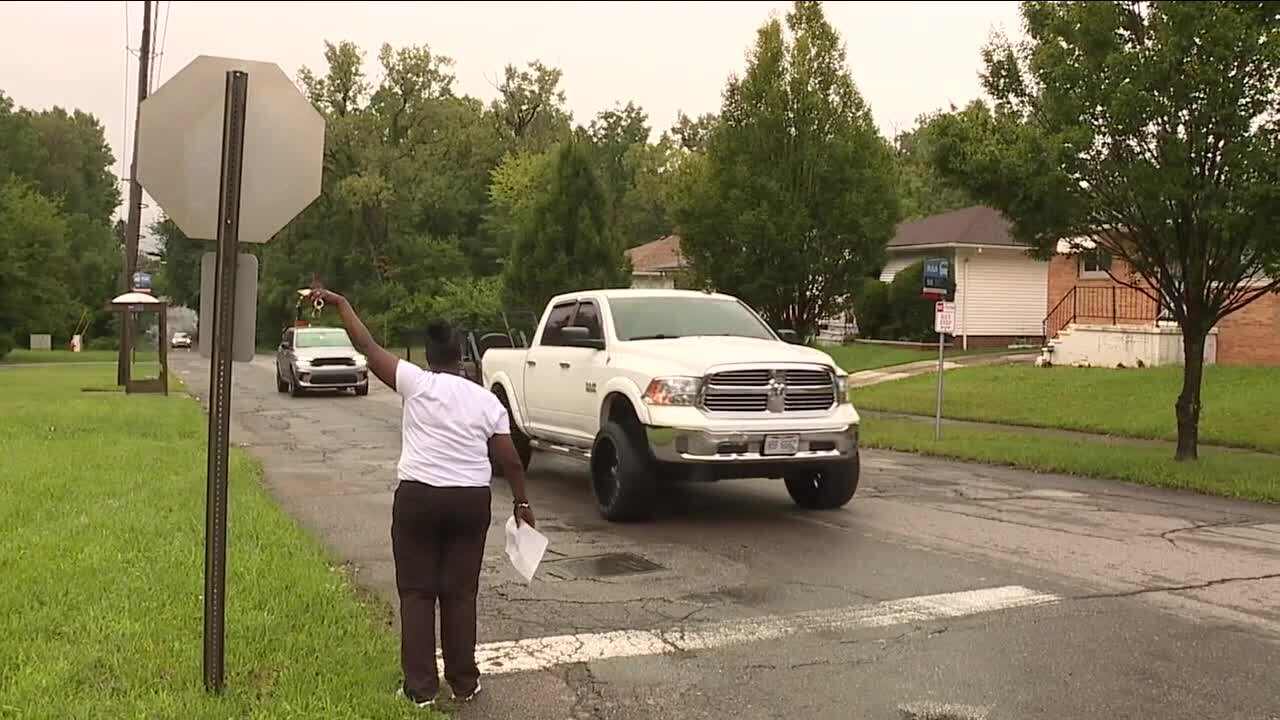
[(673, 391), (842, 389), (303, 364), (361, 360)]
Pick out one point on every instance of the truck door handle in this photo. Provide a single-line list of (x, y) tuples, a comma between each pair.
[(531, 363), (564, 365)]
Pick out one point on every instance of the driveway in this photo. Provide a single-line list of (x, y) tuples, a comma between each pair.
[(959, 590)]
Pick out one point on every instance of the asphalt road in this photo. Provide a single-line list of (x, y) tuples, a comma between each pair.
[(1136, 603)]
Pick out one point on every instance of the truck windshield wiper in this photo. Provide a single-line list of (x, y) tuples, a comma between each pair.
[(659, 336)]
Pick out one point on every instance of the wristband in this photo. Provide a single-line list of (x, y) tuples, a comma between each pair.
[(521, 505)]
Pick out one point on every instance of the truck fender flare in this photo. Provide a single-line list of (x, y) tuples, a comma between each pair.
[(627, 389), (500, 380)]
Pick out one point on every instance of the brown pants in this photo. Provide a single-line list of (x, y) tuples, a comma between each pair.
[(437, 540)]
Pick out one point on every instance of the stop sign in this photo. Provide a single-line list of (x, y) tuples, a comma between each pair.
[(180, 148)]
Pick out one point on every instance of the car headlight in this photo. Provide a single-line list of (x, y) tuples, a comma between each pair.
[(673, 391), (361, 360), (842, 389), (303, 364)]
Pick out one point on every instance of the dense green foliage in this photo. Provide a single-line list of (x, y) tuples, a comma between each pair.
[(59, 254)]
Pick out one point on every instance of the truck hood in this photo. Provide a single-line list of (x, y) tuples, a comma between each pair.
[(695, 355)]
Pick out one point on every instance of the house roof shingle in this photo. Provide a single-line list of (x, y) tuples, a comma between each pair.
[(976, 225), (661, 255)]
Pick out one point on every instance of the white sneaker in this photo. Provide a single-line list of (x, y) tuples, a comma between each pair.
[(418, 703)]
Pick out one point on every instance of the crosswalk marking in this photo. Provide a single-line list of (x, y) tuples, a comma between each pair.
[(546, 652)]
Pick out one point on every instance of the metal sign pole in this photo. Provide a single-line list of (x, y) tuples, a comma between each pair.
[(215, 542), (937, 420)]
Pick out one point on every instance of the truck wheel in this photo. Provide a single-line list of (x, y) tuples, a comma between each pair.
[(281, 385), (621, 475), (523, 448), (825, 488)]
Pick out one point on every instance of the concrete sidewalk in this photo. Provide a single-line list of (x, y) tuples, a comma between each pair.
[(865, 378)]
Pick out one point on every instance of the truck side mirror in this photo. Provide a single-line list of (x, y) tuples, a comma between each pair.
[(576, 336)]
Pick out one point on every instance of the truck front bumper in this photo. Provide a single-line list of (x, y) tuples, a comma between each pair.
[(709, 447)]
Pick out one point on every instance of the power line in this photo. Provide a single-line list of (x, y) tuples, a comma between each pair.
[(164, 37), (124, 134)]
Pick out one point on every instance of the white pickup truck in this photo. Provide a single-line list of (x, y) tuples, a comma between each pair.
[(651, 386)]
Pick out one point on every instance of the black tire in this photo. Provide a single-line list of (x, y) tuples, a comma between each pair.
[(622, 475), (825, 488), (281, 385), (523, 447), (362, 390)]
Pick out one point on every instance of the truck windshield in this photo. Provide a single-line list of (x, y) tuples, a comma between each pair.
[(335, 337), (660, 318)]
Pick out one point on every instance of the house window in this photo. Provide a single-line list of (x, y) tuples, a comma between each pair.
[(1094, 264)]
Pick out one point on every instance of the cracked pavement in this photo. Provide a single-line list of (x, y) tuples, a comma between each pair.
[(1170, 602)]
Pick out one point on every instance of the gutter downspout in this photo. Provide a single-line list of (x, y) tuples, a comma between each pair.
[(964, 306)]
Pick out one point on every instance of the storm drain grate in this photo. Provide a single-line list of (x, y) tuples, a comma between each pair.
[(611, 565)]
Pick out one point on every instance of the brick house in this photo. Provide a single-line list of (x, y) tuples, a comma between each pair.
[(1095, 318)]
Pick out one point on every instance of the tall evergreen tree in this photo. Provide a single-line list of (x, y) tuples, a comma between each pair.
[(565, 242), (795, 197)]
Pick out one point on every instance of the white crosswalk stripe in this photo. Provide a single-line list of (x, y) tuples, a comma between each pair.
[(546, 652)]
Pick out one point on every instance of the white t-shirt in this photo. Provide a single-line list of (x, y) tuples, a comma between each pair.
[(447, 423)]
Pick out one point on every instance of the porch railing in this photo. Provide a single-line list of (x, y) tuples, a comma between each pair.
[(1105, 305)]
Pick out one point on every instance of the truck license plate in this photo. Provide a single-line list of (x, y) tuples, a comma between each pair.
[(781, 444)]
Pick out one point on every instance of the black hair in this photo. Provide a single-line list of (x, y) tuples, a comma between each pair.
[(444, 347)]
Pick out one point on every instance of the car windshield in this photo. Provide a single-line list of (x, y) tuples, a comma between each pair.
[(660, 318), (328, 337)]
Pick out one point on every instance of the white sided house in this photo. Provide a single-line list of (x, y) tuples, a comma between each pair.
[(1001, 290)]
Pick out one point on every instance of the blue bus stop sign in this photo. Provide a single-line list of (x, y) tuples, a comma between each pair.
[(937, 276), (142, 281)]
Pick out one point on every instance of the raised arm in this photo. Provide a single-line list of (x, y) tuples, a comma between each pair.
[(381, 363)]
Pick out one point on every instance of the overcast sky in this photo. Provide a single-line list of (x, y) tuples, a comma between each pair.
[(906, 58)]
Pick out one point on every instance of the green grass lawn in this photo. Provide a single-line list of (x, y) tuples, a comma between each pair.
[(1241, 406), (854, 357), (101, 555), (20, 356), (1243, 475)]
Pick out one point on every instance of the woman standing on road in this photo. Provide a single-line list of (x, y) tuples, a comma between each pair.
[(441, 516)]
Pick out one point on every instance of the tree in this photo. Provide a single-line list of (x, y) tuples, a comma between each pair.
[(33, 248), (64, 158), (922, 190), (643, 213), (179, 257), (613, 132), (690, 134), (565, 243), (1146, 129), (795, 197), (530, 110), (513, 192)]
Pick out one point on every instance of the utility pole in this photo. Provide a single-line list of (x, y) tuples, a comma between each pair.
[(133, 225)]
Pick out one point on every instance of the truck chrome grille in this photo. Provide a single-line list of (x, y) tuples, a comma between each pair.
[(769, 390)]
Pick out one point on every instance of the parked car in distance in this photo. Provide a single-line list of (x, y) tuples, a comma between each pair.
[(319, 358), (180, 340), (649, 386)]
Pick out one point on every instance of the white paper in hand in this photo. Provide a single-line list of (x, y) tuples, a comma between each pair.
[(525, 547)]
